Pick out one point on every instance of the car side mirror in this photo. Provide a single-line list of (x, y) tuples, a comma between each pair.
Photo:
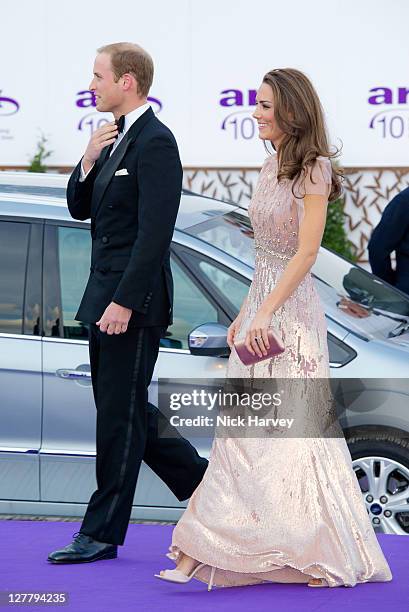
[(209, 339)]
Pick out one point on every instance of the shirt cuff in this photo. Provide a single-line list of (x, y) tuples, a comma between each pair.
[(83, 176)]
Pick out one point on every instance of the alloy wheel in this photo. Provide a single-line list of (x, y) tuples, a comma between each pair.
[(384, 484)]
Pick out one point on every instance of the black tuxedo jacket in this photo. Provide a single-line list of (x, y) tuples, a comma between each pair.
[(132, 222)]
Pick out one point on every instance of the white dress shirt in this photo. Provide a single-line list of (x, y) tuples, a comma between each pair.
[(130, 119)]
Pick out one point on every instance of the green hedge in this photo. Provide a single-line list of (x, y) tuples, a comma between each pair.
[(335, 235)]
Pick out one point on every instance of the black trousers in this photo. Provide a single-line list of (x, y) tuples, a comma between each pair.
[(127, 432)]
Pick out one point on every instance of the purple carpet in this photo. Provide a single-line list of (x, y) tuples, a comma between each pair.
[(127, 583)]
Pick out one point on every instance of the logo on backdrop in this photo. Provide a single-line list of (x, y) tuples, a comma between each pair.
[(93, 120), (8, 106), (238, 123), (391, 119)]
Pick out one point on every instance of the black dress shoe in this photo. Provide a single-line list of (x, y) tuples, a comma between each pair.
[(84, 549)]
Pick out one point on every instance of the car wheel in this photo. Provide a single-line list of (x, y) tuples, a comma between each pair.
[(381, 464)]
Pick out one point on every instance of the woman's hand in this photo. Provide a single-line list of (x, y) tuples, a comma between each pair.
[(233, 329), (256, 338)]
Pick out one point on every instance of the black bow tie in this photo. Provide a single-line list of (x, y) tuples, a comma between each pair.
[(120, 123)]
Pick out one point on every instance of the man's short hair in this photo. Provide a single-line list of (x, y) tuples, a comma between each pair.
[(131, 58)]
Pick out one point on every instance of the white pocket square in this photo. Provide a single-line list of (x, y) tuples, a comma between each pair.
[(122, 172)]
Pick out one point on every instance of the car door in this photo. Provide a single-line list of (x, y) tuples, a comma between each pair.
[(20, 360)]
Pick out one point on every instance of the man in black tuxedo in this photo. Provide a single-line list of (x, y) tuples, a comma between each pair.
[(129, 184), (392, 234)]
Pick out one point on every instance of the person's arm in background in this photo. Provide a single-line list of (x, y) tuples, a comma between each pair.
[(387, 235)]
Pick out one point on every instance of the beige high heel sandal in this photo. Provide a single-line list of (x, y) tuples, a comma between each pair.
[(179, 577)]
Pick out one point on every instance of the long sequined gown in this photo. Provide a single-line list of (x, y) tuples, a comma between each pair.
[(282, 510)]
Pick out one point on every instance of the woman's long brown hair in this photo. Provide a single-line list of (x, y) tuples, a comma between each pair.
[(299, 114)]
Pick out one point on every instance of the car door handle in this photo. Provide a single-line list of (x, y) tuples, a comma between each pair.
[(71, 374)]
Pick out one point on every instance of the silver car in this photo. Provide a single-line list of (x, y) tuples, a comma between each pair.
[(47, 414)]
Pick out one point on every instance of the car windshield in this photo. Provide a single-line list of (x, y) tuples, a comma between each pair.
[(351, 295)]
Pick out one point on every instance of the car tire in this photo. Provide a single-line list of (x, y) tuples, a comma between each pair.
[(382, 444), (392, 447)]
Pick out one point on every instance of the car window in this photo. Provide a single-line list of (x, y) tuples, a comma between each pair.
[(339, 353), (14, 239), (231, 233), (74, 248), (191, 307), (233, 289)]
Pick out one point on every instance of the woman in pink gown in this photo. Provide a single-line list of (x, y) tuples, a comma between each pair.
[(291, 509)]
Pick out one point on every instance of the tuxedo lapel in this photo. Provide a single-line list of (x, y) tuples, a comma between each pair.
[(110, 165), (140, 123), (107, 172), (104, 156)]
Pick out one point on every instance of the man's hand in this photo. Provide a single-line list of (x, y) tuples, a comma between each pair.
[(101, 138), (115, 319)]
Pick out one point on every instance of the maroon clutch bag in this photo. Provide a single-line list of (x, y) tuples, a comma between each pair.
[(276, 347)]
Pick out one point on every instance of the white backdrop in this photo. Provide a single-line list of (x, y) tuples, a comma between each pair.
[(356, 53)]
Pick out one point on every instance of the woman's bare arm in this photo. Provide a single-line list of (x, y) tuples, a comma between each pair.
[(309, 240)]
